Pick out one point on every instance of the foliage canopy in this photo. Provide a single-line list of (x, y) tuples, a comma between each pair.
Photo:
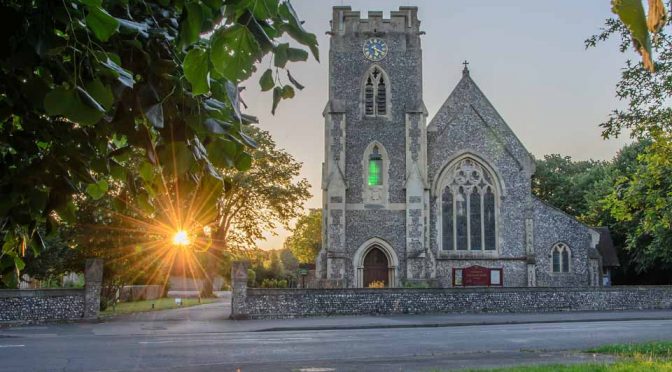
[(86, 83)]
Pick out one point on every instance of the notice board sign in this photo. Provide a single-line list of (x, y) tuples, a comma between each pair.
[(477, 276)]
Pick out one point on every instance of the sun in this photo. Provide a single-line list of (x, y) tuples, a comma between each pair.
[(181, 238)]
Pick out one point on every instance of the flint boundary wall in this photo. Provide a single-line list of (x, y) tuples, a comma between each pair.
[(41, 305), (257, 303)]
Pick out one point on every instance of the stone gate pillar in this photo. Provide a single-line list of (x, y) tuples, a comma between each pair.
[(238, 289), (93, 282)]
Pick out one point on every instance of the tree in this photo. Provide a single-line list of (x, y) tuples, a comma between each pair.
[(306, 239), (644, 197), (260, 199), (565, 183), (86, 82), (639, 202)]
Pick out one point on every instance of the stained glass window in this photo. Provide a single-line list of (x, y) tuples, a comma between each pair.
[(375, 168), (468, 208)]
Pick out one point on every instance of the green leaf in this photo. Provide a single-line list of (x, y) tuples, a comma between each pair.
[(216, 126), (101, 93), (101, 23), (59, 101), (97, 190), (83, 113), (147, 172), (244, 162), (287, 92), (277, 96), (68, 103), (196, 70), (631, 13), (190, 26), (266, 80), (123, 75), (296, 30), (280, 58), (18, 263), (296, 55), (233, 52), (88, 100), (144, 203), (222, 152), (294, 82), (176, 158)]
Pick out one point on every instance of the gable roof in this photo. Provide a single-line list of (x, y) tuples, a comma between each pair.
[(606, 247), (468, 97)]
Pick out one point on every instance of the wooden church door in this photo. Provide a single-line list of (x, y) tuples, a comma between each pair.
[(375, 267)]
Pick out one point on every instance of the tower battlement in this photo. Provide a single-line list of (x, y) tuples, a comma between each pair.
[(345, 20)]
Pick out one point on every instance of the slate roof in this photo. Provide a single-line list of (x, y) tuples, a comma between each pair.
[(606, 248)]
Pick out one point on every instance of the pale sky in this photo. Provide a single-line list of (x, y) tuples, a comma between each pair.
[(527, 56)]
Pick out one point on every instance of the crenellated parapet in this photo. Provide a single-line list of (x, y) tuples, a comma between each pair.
[(404, 20)]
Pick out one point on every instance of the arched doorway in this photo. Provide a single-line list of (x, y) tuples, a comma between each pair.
[(376, 267)]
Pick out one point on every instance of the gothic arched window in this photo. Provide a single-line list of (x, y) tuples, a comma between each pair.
[(561, 257), (468, 202), (375, 93)]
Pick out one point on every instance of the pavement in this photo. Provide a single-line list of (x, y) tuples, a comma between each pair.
[(201, 338)]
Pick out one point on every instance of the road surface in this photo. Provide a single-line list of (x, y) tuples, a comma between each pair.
[(169, 341)]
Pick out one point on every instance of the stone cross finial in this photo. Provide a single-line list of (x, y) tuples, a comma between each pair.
[(465, 71)]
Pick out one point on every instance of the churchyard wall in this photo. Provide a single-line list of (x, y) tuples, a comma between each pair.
[(256, 303), (40, 305)]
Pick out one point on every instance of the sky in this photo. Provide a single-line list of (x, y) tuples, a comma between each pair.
[(527, 56)]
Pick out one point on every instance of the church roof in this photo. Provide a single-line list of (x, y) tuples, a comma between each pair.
[(606, 248), (467, 96)]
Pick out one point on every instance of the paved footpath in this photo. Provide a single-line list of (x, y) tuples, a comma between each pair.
[(202, 339)]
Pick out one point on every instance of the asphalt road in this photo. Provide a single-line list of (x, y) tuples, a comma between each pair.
[(76, 347)]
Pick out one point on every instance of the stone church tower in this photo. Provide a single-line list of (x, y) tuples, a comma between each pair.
[(375, 120), (445, 204)]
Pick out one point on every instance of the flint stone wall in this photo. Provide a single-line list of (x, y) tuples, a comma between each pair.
[(40, 305), (291, 303)]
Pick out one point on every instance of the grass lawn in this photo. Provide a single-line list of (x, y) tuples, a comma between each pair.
[(160, 304), (650, 356)]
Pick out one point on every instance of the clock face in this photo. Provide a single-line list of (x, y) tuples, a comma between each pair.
[(374, 49)]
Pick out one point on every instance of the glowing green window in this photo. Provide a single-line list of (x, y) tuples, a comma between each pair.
[(375, 168)]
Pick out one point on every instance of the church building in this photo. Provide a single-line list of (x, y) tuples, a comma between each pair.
[(444, 204)]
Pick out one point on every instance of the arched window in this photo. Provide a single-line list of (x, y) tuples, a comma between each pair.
[(375, 93), (468, 203), (561, 258)]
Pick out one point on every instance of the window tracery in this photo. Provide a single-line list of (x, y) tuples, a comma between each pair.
[(468, 203)]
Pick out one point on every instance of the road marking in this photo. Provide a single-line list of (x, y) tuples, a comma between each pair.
[(239, 341), (12, 346)]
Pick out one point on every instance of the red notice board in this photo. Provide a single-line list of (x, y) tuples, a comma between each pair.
[(477, 276)]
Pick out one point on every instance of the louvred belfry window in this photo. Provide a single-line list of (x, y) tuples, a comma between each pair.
[(375, 93)]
